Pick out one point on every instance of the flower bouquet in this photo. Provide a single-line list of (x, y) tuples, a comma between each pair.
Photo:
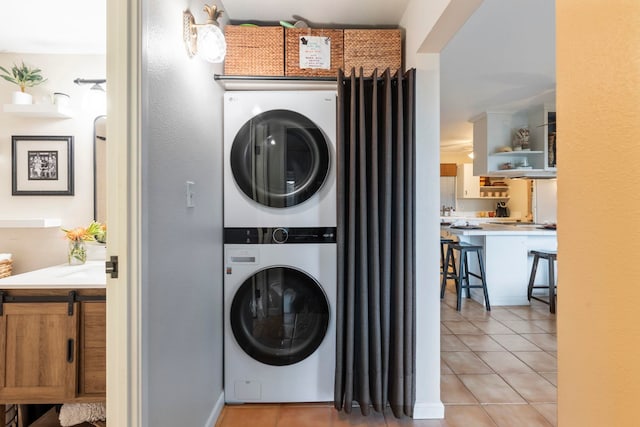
[(77, 237)]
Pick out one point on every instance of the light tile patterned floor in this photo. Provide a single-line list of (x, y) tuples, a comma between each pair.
[(499, 369)]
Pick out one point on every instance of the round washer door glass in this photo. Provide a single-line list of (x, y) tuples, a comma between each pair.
[(279, 316), (280, 158)]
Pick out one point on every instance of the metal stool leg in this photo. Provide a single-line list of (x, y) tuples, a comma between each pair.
[(483, 278), (445, 272), (466, 267), (462, 274), (449, 262), (532, 278), (552, 286)]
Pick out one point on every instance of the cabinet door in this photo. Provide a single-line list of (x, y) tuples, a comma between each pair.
[(448, 169), (93, 372), (468, 185), (38, 352)]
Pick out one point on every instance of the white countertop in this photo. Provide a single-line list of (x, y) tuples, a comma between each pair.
[(478, 219), (504, 230), (86, 276)]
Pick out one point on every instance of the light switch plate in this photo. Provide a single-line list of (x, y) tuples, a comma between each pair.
[(190, 194)]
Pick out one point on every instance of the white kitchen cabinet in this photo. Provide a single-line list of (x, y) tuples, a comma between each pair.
[(494, 130), (468, 185)]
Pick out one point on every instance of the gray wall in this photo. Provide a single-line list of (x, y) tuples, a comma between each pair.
[(182, 247)]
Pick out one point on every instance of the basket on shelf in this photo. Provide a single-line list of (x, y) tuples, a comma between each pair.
[(6, 265), (254, 51), (293, 42), (372, 48)]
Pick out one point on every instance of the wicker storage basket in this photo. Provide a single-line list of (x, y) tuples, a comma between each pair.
[(254, 51), (372, 49), (292, 36), (5, 267)]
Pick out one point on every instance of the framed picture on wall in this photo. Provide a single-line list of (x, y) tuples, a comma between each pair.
[(42, 165)]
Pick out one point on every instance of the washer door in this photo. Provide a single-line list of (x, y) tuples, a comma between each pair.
[(280, 158), (279, 316)]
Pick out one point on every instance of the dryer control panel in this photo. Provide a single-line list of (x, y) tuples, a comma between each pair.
[(279, 235)]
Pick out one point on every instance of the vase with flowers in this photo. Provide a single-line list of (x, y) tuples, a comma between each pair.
[(78, 238)]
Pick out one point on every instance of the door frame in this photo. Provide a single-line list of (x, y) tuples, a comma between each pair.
[(124, 374)]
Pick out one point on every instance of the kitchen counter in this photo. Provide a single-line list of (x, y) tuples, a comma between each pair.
[(479, 219), (90, 275), (506, 258), (492, 229)]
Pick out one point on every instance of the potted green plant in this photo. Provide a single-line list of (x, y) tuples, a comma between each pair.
[(24, 77)]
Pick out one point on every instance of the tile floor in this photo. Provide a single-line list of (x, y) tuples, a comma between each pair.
[(497, 366), (498, 369)]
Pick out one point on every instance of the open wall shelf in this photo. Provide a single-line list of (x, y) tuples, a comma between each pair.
[(41, 111)]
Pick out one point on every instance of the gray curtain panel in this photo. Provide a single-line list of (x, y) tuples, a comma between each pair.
[(375, 336)]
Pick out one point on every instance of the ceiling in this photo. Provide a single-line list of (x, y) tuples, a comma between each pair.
[(502, 59), (44, 26)]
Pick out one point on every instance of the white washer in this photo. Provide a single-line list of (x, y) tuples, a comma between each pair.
[(279, 317), (279, 159)]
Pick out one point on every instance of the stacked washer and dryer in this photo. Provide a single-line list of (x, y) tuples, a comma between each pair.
[(280, 251)]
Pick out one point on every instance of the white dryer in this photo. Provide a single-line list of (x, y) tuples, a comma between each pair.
[(279, 159), (279, 315)]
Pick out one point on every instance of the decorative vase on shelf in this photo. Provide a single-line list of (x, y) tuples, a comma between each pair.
[(77, 252), (21, 98), (521, 140)]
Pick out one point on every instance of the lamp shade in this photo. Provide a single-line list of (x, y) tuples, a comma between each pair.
[(211, 44)]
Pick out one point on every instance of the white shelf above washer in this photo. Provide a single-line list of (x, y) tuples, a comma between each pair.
[(275, 82)]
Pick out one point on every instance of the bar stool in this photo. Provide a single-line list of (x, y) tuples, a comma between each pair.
[(551, 257), (448, 272), (463, 271)]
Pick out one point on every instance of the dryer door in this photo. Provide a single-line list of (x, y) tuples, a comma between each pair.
[(280, 158), (279, 316)]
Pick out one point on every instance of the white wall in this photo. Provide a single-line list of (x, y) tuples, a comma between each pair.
[(418, 20), (182, 247), (42, 247)]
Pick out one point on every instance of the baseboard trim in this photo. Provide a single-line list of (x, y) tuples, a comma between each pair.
[(428, 411), (217, 410)]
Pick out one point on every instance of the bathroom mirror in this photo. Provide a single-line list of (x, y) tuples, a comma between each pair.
[(100, 169)]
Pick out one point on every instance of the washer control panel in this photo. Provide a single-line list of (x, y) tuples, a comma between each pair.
[(279, 235)]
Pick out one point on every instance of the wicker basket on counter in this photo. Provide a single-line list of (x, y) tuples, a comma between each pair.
[(372, 49), (292, 42), (6, 265), (254, 51)]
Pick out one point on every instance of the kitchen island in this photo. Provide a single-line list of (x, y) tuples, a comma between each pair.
[(506, 257)]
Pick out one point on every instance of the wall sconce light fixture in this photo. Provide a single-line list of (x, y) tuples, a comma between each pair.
[(205, 40), (95, 82)]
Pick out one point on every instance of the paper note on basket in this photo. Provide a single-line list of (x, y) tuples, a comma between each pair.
[(315, 52)]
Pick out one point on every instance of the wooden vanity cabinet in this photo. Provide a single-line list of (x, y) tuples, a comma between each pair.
[(93, 350), (52, 352), (38, 352)]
